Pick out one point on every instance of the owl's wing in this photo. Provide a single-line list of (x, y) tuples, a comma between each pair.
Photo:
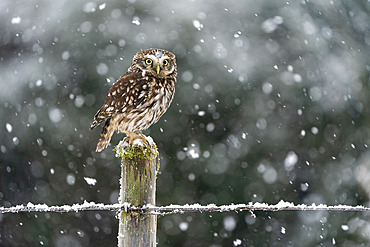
[(127, 92)]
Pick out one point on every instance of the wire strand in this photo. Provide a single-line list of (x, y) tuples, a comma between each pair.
[(179, 209)]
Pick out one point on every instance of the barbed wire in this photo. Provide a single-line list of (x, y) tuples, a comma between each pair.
[(174, 209)]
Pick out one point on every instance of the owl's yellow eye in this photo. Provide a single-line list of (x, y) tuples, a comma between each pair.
[(148, 61), (165, 62)]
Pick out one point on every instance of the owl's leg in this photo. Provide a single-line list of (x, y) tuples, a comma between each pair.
[(143, 138)]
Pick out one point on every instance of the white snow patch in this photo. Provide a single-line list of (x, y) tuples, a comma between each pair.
[(9, 127), (270, 25), (282, 204), (102, 69), (270, 175), (79, 101), (65, 55), (283, 230), (237, 34), (309, 28), (304, 186), (122, 144), (187, 76), (16, 20), (290, 161), (210, 127), (55, 115), (136, 21), (197, 24), (15, 140), (102, 6), (314, 130), (267, 88), (89, 7), (261, 123), (229, 223), (86, 26), (138, 143), (184, 226), (150, 141), (193, 153), (344, 227), (196, 86), (297, 78), (237, 242), (38, 83), (90, 181), (121, 42), (71, 179)]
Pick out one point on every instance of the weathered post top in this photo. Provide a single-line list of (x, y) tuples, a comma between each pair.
[(138, 185)]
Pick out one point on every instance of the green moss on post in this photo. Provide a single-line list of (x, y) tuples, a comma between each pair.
[(138, 186)]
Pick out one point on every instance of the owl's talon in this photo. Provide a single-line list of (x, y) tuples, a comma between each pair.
[(130, 138), (143, 138)]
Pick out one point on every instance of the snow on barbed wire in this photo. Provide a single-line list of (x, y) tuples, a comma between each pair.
[(173, 209)]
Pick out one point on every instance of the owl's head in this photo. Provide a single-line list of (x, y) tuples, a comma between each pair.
[(157, 62)]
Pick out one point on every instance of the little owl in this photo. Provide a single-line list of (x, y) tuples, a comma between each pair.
[(138, 98)]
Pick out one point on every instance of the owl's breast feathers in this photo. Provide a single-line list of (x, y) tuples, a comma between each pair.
[(133, 93)]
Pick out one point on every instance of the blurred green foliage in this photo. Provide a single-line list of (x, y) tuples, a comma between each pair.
[(272, 103)]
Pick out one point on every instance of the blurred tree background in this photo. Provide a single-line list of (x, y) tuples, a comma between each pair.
[(272, 103)]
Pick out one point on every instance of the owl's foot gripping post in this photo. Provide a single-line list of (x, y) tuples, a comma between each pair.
[(132, 138)]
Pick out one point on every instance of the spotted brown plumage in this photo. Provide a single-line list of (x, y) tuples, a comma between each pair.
[(138, 98)]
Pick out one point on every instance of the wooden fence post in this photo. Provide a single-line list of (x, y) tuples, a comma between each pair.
[(138, 185)]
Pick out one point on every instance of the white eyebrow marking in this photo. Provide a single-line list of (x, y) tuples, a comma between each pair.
[(164, 58), (158, 54), (152, 57)]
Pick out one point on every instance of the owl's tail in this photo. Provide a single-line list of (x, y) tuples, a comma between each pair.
[(105, 137)]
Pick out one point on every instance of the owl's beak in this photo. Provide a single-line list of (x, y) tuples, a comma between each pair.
[(158, 69)]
